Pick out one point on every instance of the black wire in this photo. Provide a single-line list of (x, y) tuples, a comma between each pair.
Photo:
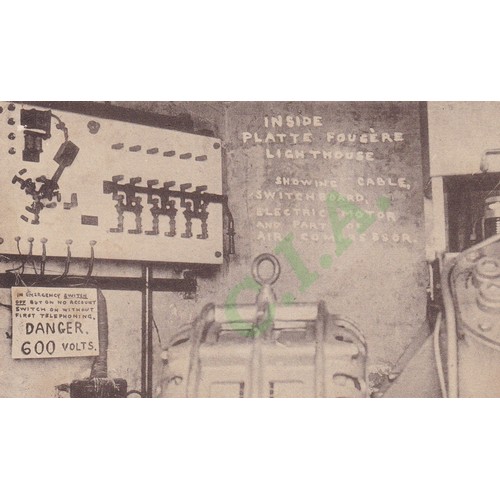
[(230, 229), (7, 306), (61, 126), (157, 332), (66, 266), (23, 261), (33, 265), (16, 269), (30, 258), (91, 264)]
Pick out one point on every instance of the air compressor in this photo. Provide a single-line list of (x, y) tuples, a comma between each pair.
[(471, 297)]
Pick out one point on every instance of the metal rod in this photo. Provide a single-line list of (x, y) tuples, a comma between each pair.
[(144, 327), (150, 333), (147, 332), (319, 356)]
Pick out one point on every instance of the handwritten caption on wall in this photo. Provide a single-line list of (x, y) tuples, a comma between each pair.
[(54, 322), (280, 142), (326, 157)]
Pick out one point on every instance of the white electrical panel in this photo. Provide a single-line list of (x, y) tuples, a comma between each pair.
[(134, 192)]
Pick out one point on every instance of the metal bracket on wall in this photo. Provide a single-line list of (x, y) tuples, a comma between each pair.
[(185, 285)]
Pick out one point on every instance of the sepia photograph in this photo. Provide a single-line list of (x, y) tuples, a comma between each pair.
[(250, 249)]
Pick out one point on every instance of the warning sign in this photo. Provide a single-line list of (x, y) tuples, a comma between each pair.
[(54, 322)]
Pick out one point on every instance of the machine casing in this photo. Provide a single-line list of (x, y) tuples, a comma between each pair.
[(306, 353)]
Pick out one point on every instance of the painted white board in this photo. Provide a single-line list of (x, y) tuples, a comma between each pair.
[(54, 322), (86, 212)]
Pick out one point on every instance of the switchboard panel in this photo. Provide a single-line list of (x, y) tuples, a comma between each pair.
[(130, 191)]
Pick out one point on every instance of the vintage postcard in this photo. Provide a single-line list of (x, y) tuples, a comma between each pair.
[(250, 249)]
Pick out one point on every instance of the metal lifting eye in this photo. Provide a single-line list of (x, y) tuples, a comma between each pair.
[(266, 257)]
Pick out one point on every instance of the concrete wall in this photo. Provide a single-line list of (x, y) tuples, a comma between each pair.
[(379, 284)]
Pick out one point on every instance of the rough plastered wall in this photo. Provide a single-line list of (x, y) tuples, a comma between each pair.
[(285, 159), (277, 186)]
